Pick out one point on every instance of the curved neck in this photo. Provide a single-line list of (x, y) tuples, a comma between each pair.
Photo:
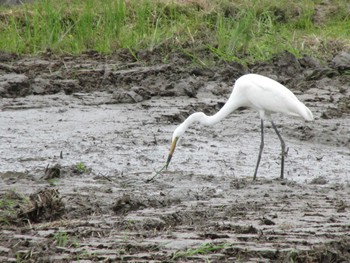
[(235, 101), (232, 104)]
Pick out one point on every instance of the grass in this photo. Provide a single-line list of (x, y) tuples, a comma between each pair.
[(204, 249), (61, 238), (231, 30), (10, 202), (81, 168)]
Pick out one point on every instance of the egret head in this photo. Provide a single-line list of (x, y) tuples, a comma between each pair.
[(179, 131)]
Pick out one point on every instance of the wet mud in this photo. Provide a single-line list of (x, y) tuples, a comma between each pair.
[(80, 137)]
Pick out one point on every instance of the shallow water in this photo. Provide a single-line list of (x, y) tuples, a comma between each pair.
[(134, 138)]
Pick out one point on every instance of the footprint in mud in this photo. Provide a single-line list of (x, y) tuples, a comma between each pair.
[(10, 177), (126, 203), (343, 107)]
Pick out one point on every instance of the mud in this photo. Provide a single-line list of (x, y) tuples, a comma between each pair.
[(80, 136)]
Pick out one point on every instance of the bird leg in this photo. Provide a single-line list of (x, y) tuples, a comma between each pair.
[(283, 146), (261, 149)]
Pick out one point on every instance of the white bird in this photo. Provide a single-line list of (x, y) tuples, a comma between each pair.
[(261, 93)]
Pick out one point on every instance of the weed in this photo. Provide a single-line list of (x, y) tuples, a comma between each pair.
[(81, 167), (75, 242), (293, 255), (203, 249), (19, 257), (84, 254), (61, 238), (10, 203), (53, 181)]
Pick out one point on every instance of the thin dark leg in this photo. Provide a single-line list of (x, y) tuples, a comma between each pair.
[(261, 148), (283, 146)]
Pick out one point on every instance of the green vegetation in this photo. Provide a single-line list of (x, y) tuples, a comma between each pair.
[(293, 255), (10, 203), (204, 249), (53, 181), (61, 238), (81, 168), (238, 30)]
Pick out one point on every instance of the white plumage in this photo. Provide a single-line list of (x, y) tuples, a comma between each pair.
[(258, 92)]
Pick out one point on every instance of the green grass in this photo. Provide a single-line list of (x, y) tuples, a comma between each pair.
[(236, 30), (81, 168), (10, 203), (61, 238), (204, 249)]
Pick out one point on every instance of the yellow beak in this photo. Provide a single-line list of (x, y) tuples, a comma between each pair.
[(172, 149)]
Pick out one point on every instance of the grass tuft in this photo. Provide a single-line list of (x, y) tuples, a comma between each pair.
[(204, 249), (10, 203)]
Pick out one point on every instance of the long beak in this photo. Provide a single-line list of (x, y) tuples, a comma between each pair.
[(172, 149)]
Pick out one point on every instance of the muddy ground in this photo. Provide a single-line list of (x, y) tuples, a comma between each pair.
[(80, 136)]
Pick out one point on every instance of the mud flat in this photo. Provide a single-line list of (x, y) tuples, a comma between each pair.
[(80, 136)]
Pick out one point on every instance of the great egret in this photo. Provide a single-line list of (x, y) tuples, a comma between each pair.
[(260, 93)]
